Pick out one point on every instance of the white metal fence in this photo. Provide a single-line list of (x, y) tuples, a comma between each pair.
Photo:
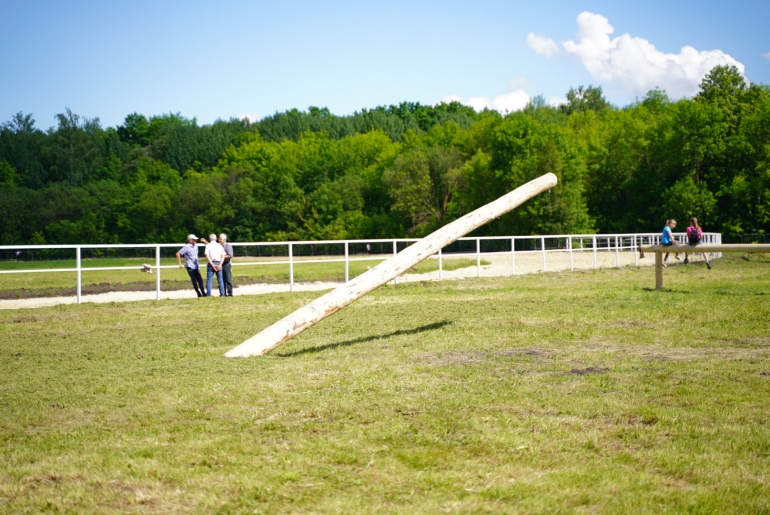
[(347, 251)]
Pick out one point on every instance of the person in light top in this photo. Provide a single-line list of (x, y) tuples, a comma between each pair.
[(215, 255)]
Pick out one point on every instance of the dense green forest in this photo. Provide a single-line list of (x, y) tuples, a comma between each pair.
[(393, 171)]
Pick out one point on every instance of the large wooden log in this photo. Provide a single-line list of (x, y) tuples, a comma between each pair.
[(322, 307)]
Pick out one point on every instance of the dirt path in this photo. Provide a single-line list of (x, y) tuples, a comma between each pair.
[(127, 296), (500, 265), (532, 262)]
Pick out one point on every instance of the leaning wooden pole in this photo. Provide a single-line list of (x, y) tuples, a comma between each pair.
[(308, 315)]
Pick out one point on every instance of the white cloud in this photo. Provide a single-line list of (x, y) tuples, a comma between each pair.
[(541, 45), (506, 103), (766, 56), (636, 64), (252, 117), (448, 99), (557, 101)]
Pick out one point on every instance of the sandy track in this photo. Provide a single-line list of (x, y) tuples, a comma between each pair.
[(532, 262), (500, 265), (127, 296)]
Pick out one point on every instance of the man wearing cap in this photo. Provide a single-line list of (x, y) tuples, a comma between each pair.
[(190, 253), (215, 254)]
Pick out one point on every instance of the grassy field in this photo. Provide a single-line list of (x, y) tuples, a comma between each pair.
[(51, 284), (583, 392)]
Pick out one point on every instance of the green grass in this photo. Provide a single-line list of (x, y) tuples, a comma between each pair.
[(100, 281), (582, 392)]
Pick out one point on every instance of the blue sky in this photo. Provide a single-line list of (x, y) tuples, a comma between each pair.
[(227, 59)]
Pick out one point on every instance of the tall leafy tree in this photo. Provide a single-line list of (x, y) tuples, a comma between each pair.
[(73, 152), (584, 99), (21, 146), (421, 182)]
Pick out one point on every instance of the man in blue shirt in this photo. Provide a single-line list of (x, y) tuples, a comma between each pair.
[(190, 253)]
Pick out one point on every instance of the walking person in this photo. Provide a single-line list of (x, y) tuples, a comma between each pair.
[(227, 267), (190, 253), (695, 236), (667, 239), (215, 254)]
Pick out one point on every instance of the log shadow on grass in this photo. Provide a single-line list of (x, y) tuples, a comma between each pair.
[(400, 332), (665, 290)]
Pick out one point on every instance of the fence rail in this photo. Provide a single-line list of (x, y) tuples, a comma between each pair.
[(342, 251), (703, 247)]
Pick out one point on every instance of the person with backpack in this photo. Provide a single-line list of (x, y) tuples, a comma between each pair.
[(695, 236)]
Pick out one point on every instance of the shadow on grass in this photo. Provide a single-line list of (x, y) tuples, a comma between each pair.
[(400, 332), (666, 290), (707, 292)]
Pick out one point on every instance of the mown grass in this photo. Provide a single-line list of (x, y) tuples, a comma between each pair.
[(98, 281), (582, 392)]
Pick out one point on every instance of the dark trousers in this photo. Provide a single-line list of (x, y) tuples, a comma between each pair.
[(227, 274), (197, 281)]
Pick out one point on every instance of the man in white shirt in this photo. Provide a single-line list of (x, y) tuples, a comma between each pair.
[(215, 254)]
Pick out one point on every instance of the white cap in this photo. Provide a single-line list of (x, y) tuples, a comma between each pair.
[(191, 237)]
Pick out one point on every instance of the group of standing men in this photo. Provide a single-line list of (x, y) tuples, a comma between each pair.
[(219, 255)]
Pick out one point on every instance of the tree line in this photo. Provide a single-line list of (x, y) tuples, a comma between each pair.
[(394, 170)]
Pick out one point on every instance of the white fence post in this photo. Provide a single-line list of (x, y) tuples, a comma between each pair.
[(569, 247), (347, 264), (395, 251), (513, 258), (439, 264), (79, 275), (719, 240), (291, 267), (617, 252), (542, 249), (157, 269), (478, 257), (594, 249), (635, 248)]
